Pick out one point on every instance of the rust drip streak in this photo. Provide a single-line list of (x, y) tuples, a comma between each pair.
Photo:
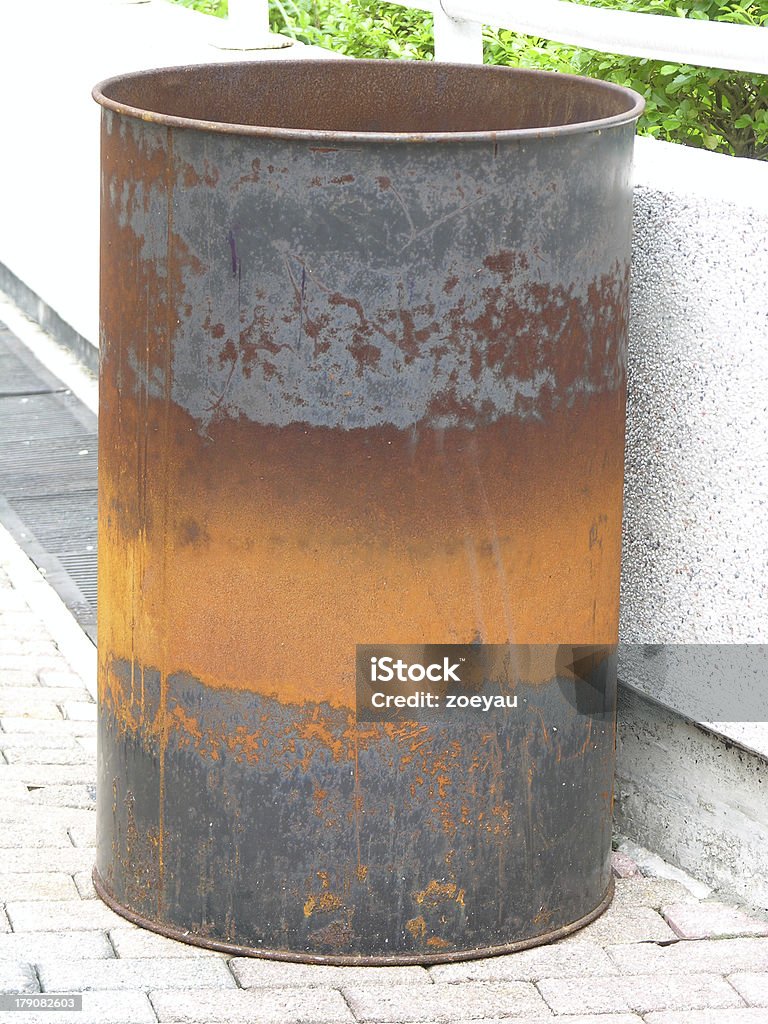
[(170, 313), (498, 557), (357, 799)]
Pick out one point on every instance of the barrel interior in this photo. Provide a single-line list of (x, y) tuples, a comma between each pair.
[(390, 97)]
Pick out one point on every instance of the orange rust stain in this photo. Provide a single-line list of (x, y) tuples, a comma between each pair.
[(320, 731), (436, 893), (506, 263), (255, 174), (362, 872), (186, 723), (543, 916), (416, 927), (435, 942), (515, 498), (323, 903), (190, 177), (246, 744)]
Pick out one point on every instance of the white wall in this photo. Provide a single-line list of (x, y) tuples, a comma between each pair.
[(52, 53)]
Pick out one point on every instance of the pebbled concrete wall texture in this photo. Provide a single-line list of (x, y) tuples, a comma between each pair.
[(696, 493), (695, 558)]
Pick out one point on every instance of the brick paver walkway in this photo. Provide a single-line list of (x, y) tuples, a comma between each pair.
[(659, 955)]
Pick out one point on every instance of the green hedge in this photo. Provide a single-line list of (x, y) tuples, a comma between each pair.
[(723, 111)]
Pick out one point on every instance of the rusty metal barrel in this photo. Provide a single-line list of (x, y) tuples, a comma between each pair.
[(363, 331)]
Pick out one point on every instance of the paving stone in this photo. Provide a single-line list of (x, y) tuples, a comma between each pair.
[(753, 988), (251, 973), (28, 648), (24, 810), (11, 704), (717, 956), (31, 916), (44, 726), (711, 921), (441, 1002), (17, 676), (57, 694), (59, 754), (150, 973), (745, 1016), (5, 924), (84, 884), (48, 774), (49, 858), (139, 943), (55, 945), (258, 1006), (20, 662), (625, 924), (37, 885), (98, 1008), (31, 832), (559, 960), (589, 1018), (77, 795), (60, 677), (623, 866), (84, 835), (651, 892), (33, 740), (88, 744), (17, 977), (79, 711), (10, 599), (12, 791), (641, 994), (18, 623)]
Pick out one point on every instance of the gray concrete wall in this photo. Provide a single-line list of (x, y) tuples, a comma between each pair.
[(695, 568), (694, 798)]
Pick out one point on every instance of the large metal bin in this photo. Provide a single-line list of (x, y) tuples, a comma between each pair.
[(362, 381)]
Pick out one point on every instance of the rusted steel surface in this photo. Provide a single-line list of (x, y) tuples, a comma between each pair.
[(362, 381)]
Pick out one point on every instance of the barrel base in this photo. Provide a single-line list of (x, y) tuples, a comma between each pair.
[(350, 960)]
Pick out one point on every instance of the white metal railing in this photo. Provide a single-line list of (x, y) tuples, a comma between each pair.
[(458, 31), (714, 44)]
